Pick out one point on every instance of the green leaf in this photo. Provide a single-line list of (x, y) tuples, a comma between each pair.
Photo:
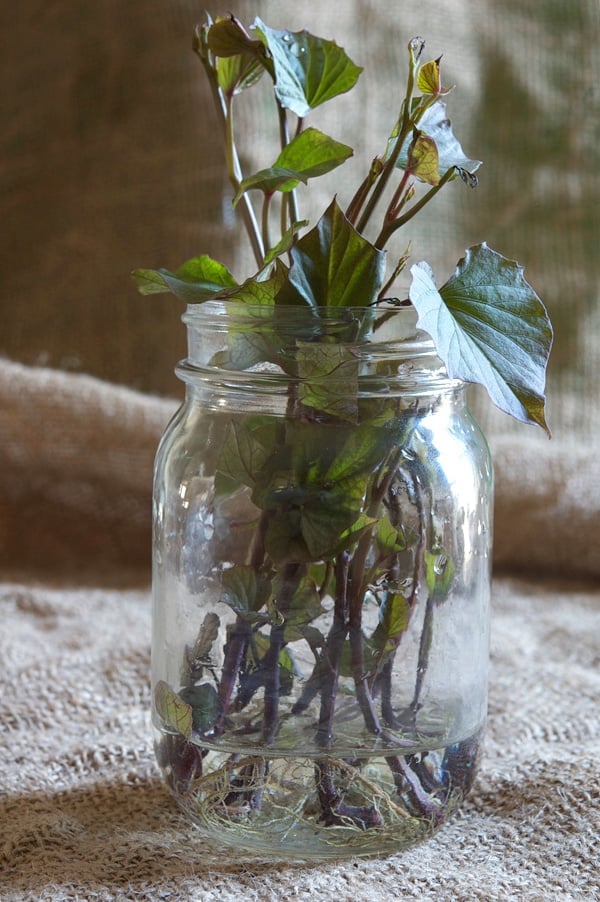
[(173, 710), (247, 448), (304, 607), (237, 73), (226, 37), (326, 527), (363, 451), (245, 592), (489, 327), (334, 266), (328, 378), (207, 634), (308, 155), (312, 523), (197, 656), (259, 649), (283, 246), (313, 153), (439, 574), (350, 536), (389, 538), (429, 79), (435, 123), (394, 615), (251, 339), (205, 705), (276, 178), (308, 70), (259, 293), (198, 279)]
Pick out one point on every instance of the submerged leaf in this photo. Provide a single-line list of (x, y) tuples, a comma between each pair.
[(244, 591), (439, 574), (389, 538), (394, 616), (205, 704), (489, 327), (302, 609), (328, 378), (244, 454), (207, 634), (172, 709), (308, 70), (393, 620)]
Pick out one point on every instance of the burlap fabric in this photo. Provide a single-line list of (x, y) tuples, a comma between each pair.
[(107, 162), (83, 814)]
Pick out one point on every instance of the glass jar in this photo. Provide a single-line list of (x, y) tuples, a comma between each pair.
[(321, 582)]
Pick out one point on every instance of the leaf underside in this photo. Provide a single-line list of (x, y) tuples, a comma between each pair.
[(489, 327)]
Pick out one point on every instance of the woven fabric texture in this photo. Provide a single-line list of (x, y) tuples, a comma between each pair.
[(83, 814), (109, 161)]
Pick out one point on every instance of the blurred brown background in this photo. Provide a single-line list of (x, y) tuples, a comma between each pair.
[(110, 160)]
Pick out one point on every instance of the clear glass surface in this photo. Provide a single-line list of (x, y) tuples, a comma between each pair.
[(321, 583)]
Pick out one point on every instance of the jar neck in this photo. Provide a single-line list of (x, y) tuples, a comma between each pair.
[(372, 352)]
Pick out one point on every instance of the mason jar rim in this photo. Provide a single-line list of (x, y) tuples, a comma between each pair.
[(394, 323), (396, 356)]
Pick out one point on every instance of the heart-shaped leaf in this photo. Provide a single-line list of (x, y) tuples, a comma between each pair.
[(205, 704), (287, 239), (258, 292), (489, 327), (244, 591), (309, 154), (172, 709), (328, 378), (308, 70), (198, 279), (227, 37), (429, 80), (334, 266)]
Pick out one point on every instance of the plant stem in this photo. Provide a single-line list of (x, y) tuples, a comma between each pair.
[(423, 657), (357, 655), (405, 125), (292, 573), (284, 137), (389, 228), (398, 200), (362, 193), (334, 810), (407, 782), (223, 105), (332, 652), (272, 684), (234, 657), (265, 221)]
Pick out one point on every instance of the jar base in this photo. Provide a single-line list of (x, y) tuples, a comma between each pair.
[(317, 808)]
